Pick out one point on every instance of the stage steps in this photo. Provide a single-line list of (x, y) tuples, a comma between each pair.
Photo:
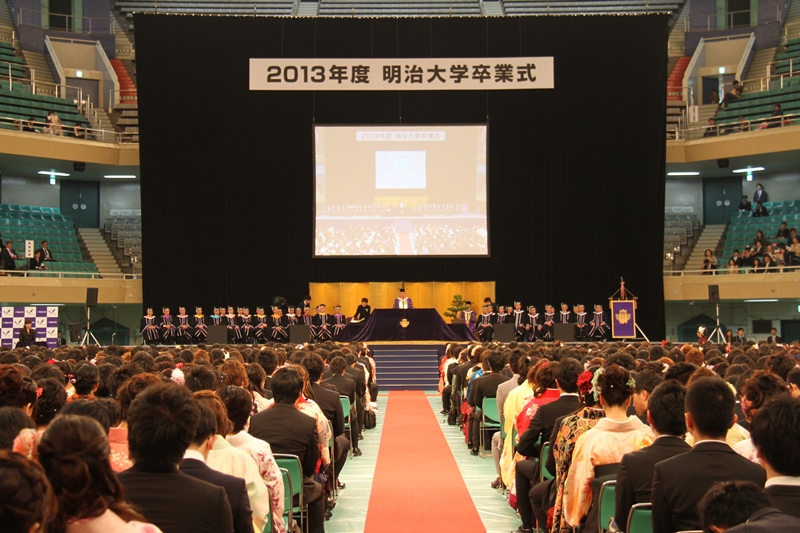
[(407, 367)]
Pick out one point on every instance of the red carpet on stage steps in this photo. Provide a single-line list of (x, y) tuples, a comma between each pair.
[(417, 484)]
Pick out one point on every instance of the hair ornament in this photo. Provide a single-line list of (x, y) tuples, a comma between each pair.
[(179, 365), (665, 368), (595, 388), (51, 361), (631, 383), (39, 392), (178, 376), (585, 382)]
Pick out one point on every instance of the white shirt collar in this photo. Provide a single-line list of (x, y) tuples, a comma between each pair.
[(783, 480), (568, 394), (194, 454)]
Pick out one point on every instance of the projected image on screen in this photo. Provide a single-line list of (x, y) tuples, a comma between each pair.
[(400, 170), (400, 191)]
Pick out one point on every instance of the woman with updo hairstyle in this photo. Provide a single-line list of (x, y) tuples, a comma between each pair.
[(17, 390), (307, 405), (27, 503), (757, 391), (597, 453), (118, 435), (85, 378), (51, 401), (74, 453)]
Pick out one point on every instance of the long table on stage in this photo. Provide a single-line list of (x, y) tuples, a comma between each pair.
[(405, 325)]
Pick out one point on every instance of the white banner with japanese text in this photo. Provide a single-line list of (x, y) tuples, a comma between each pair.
[(477, 74)]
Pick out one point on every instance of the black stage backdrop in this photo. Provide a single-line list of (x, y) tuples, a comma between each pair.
[(576, 174)]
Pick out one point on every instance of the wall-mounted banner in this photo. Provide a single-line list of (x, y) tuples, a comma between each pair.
[(390, 74)]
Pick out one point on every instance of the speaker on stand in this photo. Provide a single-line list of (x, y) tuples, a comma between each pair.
[(91, 301), (713, 298)]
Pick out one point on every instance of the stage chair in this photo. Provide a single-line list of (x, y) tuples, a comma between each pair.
[(489, 420), (640, 518), (288, 494), (347, 426), (545, 473), (292, 465)]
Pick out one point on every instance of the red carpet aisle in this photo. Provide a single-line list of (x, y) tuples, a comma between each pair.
[(417, 484)]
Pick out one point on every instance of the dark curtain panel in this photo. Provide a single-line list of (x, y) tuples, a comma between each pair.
[(576, 174)]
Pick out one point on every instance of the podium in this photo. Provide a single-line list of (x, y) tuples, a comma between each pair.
[(217, 335), (504, 332), (299, 334), (564, 332)]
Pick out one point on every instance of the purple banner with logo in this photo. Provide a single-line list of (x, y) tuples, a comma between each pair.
[(623, 319)]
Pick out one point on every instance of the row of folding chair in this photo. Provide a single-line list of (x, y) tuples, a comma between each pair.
[(29, 208)]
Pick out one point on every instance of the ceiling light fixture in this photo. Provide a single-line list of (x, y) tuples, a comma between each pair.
[(748, 169), (683, 173)]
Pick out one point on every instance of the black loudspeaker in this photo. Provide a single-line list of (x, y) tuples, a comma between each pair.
[(564, 332), (504, 332), (217, 335), (77, 166), (75, 332), (299, 334), (713, 294), (723, 163), (91, 297)]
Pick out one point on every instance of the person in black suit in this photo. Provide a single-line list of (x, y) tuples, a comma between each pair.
[(346, 386), (161, 424), (363, 310), (760, 196), (36, 262), (8, 256), (745, 204), (485, 387), (773, 337), (27, 335), (740, 338), (328, 401), (741, 506), (681, 481), (566, 373), (289, 431), (635, 475), (47, 255), (194, 464), (358, 373), (775, 432)]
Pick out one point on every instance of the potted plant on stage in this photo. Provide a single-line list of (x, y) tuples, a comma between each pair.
[(456, 306)]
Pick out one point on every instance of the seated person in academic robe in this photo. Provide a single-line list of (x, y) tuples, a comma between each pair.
[(322, 328), (47, 254), (291, 317), (149, 329), (402, 301), (565, 315), (339, 321), (581, 323), (362, 311), (532, 328), (162, 421), (216, 317), (183, 330), (27, 335), (742, 507), (245, 322), (230, 321), (199, 325), (548, 329), (261, 324), (167, 327), (502, 316), (485, 326), (775, 432), (36, 262), (599, 327), (468, 316), (279, 330), (520, 319)]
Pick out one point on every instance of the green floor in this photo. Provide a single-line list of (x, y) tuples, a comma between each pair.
[(351, 511)]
